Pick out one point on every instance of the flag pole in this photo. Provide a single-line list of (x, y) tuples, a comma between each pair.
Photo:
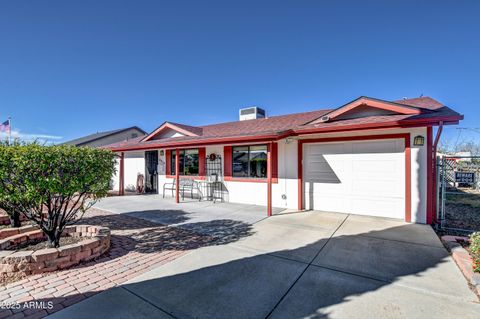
[(9, 130)]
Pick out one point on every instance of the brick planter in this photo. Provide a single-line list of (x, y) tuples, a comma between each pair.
[(463, 260), (50, 259), (8, 232), (5, 219)]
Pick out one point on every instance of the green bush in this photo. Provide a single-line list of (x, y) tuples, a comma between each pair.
[(53, 185), (475, 250), (9, 200)]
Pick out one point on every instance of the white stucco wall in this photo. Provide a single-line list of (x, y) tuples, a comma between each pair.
[(134, 164), (256, 193)]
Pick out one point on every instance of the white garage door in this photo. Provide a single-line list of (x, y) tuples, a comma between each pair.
[(364, 177)]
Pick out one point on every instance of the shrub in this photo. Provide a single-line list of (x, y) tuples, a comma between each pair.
[(475, 250), (9, 199), (53, 186)]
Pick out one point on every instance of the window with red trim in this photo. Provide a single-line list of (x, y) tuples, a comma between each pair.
[(249, 162), (192, 162)]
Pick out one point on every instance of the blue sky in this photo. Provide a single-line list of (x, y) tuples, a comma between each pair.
[(69, 68)]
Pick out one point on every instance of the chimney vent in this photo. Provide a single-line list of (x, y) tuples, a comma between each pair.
[(251, 113)]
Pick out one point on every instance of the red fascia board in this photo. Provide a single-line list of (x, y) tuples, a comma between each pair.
[(380, 104), (275, 137), (393, 124), (213, 141)]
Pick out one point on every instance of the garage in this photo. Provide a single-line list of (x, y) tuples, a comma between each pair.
[(364, 177)]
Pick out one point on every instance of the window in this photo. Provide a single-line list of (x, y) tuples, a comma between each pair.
[(189, 164), (249, 161)]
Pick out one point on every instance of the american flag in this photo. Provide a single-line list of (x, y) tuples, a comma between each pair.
[(5, 126)]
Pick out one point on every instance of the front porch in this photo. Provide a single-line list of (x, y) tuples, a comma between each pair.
[(201, 216)]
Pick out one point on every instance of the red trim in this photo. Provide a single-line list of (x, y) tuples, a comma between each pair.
[(384, 105), (408, 176), (168, 163), (171, 126), (201, 164), (121, 185), (274, 161), (227, 169), (198, 177), (227, 162), (249, 180), (177, 175), (202, 155), (269, 178), (300, 174), (430, 176), (275, 137), (381, 125), (254, 139)]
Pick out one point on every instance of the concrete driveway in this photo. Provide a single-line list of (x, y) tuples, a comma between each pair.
[(301, 265)]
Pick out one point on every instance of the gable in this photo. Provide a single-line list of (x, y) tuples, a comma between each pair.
[(166, 133), (364, 111), (366, 107), (168, 130)]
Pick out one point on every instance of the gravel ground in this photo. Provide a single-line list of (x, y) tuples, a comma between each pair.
[(463, 211)]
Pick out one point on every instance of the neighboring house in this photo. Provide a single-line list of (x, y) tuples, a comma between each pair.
[(105, 138), (458, 156), (367, 157)]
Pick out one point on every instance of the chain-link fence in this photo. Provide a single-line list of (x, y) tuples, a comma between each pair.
[(458, 194)]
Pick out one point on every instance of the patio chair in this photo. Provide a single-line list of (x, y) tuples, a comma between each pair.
[(190, 185), (169, 186)]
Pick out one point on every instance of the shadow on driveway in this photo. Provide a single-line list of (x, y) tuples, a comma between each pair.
[(351, 276)]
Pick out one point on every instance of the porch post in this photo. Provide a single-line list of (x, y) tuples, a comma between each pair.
[(269, 179), (121, 184), (177, 175)]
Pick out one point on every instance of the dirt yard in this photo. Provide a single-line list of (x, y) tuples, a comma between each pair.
[(463, 210)]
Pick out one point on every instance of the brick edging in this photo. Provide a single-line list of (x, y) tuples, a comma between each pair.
[(50, 259), (463, 260)]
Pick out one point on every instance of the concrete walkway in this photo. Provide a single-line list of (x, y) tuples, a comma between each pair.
[(300, 265)]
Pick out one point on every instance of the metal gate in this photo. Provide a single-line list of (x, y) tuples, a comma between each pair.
[(458, 194)]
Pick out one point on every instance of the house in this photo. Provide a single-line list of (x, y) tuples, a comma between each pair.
[(368, 157), (100, 139)]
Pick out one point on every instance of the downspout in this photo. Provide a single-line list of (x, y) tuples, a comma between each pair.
[(434, 170)]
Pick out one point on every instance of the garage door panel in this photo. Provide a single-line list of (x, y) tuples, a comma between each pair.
[(380, 147), (376, 207), (323, 172), (361, 177), (378, 188), (332, 202)]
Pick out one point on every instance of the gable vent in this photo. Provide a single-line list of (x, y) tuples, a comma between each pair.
[(251, 113)]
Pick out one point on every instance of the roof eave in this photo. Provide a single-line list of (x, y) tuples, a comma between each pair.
[(424, 122)]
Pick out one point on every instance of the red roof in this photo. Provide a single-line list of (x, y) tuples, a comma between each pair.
[(423, 102), (431, 112)]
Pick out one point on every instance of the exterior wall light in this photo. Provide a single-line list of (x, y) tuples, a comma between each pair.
[(419, 140)]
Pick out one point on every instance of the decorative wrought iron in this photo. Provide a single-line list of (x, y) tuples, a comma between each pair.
[(213, 186)]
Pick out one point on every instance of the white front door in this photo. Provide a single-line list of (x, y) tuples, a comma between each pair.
[(361, 177)]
